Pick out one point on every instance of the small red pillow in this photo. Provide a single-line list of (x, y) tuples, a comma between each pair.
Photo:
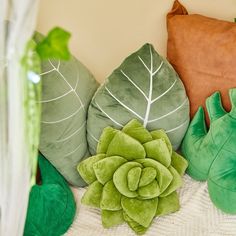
[(203, 52)]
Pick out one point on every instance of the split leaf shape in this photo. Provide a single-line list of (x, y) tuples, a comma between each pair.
[(212, 154)]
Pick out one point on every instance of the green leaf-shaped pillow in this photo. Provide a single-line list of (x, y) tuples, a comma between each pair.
[(212, 154), (144, 87), (67, 89), (51, 207)]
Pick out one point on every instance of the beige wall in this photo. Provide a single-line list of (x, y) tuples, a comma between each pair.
[(104, 32)]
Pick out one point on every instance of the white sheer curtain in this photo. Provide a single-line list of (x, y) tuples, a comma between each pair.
[(15, 171)]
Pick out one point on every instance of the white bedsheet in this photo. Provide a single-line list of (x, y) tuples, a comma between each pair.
[(197, 217)]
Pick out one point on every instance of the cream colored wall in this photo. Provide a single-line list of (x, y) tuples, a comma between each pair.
[(104, 32)]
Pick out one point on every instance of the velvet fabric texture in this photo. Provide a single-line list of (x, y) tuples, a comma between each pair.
[(67, 89), (51, 207), (144, 87), (202, 51), (133, 177), (212, 155)]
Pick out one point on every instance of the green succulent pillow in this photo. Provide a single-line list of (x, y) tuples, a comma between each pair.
[(144, 87), (212, 154), (133, 177), (67, 89), (51, 207)]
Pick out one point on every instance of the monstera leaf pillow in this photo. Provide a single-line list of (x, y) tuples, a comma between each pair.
[(212, 154), (67, 89), (144, 87)]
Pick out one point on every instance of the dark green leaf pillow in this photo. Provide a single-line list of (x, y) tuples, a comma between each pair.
[(51, 207), (212, 153), (145, 87), (67, 89)]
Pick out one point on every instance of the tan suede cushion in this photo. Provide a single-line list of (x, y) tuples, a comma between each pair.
[(203, 52)]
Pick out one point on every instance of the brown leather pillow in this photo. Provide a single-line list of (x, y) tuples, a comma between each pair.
[(203, 52)]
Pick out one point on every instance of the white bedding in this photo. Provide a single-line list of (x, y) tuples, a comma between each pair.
[(197, 217)]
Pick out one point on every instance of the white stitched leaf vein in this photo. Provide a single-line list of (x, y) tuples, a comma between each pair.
[(151, 74), (57, 69), (158, 97), (121, 103), (90, 134), (169, 113), (56, 98), (113, 120), (66, 118), (68, 137), (177, 127), (135, 85), (69, 153)]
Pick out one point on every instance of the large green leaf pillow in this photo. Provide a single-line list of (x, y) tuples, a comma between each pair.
[(144, 87), (212, 154), (67, 89)]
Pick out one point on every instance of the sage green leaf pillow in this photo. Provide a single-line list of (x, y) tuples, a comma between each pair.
[(144, 87), (67, 89)]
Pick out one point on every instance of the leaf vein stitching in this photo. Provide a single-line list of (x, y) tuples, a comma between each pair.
[(121, 103), (158, 97), (64, 78), (113, 120), (177, 127), (90, 134), (169, 113), (66, 118), (69, 153), (68, 137), (56, 98), (135, 85)]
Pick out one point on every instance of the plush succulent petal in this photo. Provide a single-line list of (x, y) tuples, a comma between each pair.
[(120, 179), (141, 211), (125, 146), (158, 134), (133, 178), (85, 168), (147, 176), (112, 218), (149, 191), (164, 176), (179, 163), (158, 150), (168, 204), (105, 139), (136, 227), (136, 130), (92, 196), (176, 182), (105, 168), (110, 197)]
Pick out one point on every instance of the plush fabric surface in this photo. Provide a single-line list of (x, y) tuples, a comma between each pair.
[(212, 154), (67, 88), (202, 51), (51, 206), (133, 177), (196, 217), (144, 87)]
